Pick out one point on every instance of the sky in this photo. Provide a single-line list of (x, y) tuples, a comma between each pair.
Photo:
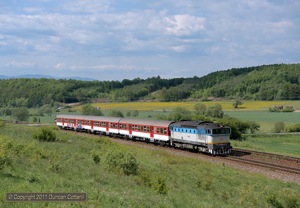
[(126, 39)]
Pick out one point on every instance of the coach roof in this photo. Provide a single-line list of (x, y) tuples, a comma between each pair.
[(92, 118), (146, 122)]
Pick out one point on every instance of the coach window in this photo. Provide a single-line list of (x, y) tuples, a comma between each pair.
[(165, 131)]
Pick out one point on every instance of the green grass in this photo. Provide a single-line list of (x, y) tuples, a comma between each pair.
[(286, 144), (266, 119), (163, 179)]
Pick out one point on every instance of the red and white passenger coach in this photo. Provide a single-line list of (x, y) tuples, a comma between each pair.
[(144, 129)]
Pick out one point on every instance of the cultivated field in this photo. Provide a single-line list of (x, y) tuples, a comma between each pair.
[(168, 106)]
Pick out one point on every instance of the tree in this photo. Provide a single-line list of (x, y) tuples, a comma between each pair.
[(20, 114), (279, 127), (180, 114), (236, 103), (215, 111), (88, 109), (199, 109), (135, 113), (116, 113)]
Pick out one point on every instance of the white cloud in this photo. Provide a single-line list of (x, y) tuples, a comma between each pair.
[(178, 25), (16, 64), (90, 6), (179, 49)]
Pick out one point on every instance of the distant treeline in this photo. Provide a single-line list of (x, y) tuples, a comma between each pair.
[(267, 82)]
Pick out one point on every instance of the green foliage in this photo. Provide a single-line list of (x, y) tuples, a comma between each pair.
[(116, 113), (20, 114), (160, 186), (2, 123), (273, 201), (239, 127), (125, 161), (293, 128), (96, 157), (180, 114), (199, 109), (215, 111), (45, 134), (5, 111), (5, 159), (88, 109), (135, 113), (268, 82), (237, 103), (279, 127)]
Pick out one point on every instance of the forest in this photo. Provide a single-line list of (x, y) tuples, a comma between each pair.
[(266, 82)]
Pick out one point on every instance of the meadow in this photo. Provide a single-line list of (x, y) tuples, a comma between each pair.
[(117, 175)]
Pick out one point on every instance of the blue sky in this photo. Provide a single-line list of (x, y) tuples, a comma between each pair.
[(116, 40)]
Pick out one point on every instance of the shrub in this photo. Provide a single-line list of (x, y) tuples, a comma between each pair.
[(272, 200), (96, 157), (45, 134), (125, 161), (2, 123), (5, 159), (135, 113), (293, 128), (160, 186), (130, 164), (279, 127)]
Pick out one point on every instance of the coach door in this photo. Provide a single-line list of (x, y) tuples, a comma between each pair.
[(130, 129), (107, 126), (151, 132), (92, 124)]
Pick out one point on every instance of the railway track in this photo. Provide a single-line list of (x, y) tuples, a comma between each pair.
[(266, 160), (237, 151)]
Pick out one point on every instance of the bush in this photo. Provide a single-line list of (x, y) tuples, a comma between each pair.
[(95, 156), (160, 186), (272, 200), (45, 135), (2, 123), (279, 127), (5, 159), (21, 114), (6, 152), (125, 161), (293, 128)]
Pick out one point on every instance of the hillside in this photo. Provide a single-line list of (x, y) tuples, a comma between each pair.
[(268, 82)]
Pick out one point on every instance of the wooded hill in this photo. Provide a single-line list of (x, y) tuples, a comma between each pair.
[(267, 82)]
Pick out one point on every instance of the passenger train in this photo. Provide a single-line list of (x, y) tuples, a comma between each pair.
[(203, 136)]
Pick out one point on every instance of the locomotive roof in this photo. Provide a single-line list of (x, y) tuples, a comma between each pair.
[(196, 124)]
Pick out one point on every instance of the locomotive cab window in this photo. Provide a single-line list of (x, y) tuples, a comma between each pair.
[(221, 131)]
